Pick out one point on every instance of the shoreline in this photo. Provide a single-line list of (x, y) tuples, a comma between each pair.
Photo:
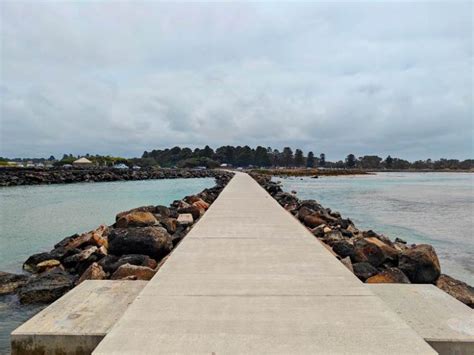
[(372, 257), (35, 176)]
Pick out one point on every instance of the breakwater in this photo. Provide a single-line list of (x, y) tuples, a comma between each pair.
[(39, 176), (132, 248), (374, 258)]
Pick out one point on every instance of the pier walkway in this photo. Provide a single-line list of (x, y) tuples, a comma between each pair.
[(249, 278)]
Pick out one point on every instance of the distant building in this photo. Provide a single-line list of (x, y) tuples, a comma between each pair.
[(82, 162)]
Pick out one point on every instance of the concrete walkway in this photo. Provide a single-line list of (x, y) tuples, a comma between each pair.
[(249, 278)]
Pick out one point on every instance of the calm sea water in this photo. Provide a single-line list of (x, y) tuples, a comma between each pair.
[(433, 208), (34, 218)]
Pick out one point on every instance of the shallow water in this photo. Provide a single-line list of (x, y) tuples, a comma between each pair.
[(433, 208), (34, 218)]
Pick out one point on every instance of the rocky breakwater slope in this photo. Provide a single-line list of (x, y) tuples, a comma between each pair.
[(38, 176), (372, 257), (133, 248)]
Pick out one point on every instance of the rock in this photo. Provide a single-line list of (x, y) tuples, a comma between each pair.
[(99, 236), (344, 248), (185, 219), (420, 263), (169, 223), (303, 212), (332, 237), (389, 276), (152, 241), (35, 259), (46, 287), (132, 259), (163, 211), (347, 263), (318, 231), (373, 251), (136, 219), (326, 230), (151, 209), (457, 289), (364, 270), (108, 263), (47, 264), (201, 204), (398, 240), (75, 241), (9, 283), (93, 272), (193, 210), (313, 221), (138, 272)]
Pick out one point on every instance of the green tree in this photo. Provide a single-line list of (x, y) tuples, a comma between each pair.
[(388, 162), (350, 161), (310, 160), (322, 159), (299, 159), (287, 158), (261, 157)]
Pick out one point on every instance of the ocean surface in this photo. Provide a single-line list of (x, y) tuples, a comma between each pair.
[(433, 208), (34, 218)]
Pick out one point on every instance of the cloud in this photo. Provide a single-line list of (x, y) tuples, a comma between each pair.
[(123, 77)]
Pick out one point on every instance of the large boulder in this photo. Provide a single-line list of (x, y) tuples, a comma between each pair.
[(374, 251), (389, 276), (457, 289), (169, 223), (9, 283), (420, 263), (136, 219), (133, 272), (344, 248), (111, 263), (151, 209), (364, 270), (46, 287), (152, 241), (193, 210)]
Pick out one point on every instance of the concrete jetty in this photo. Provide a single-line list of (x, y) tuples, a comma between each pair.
[(249, 278)]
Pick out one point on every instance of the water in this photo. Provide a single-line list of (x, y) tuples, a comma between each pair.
[(34, 218), (433, 208)]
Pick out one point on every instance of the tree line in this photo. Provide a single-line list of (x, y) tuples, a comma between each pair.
[(245, 156)]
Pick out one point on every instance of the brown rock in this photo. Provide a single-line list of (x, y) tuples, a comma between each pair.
[(389, 276), (420, 263), (193, 210), (151, 209), (313, 221), (136, 219), (169, 223), (93, 272), (9, 283), (99, 236), (373, 251), (128, 270), (201, 204), (47, 264), (457, 289)]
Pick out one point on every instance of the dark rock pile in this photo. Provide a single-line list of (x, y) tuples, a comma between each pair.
[(133, 248), (372, 257), (38, 176)]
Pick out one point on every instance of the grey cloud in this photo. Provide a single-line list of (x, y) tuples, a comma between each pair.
[(123, 77)]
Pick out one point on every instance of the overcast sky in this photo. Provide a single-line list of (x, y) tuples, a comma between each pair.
[(123, 77)]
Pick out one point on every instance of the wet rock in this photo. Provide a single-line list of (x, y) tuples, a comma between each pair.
[(9, 283), (185, 219), (389, 275), (137, 272), (457, 289), (364, 270), (152, 241), (420, 263), (93, 272), (136, 219), (46, 287)]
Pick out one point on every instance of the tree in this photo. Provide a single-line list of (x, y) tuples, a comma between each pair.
[(261, 157), (370, 162), (52, 158), (287, 156), (388, 162), (299, 159), (310, 160), (350, 161), (322, 159)]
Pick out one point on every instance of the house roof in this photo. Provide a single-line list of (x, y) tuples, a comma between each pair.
[(82, 161)]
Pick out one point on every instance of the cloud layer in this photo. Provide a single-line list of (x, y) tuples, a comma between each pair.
[(123, 77)]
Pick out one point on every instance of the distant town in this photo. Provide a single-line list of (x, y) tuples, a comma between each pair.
[(237, 156)]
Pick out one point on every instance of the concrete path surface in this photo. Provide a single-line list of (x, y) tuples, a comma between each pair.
[(250, 279)]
